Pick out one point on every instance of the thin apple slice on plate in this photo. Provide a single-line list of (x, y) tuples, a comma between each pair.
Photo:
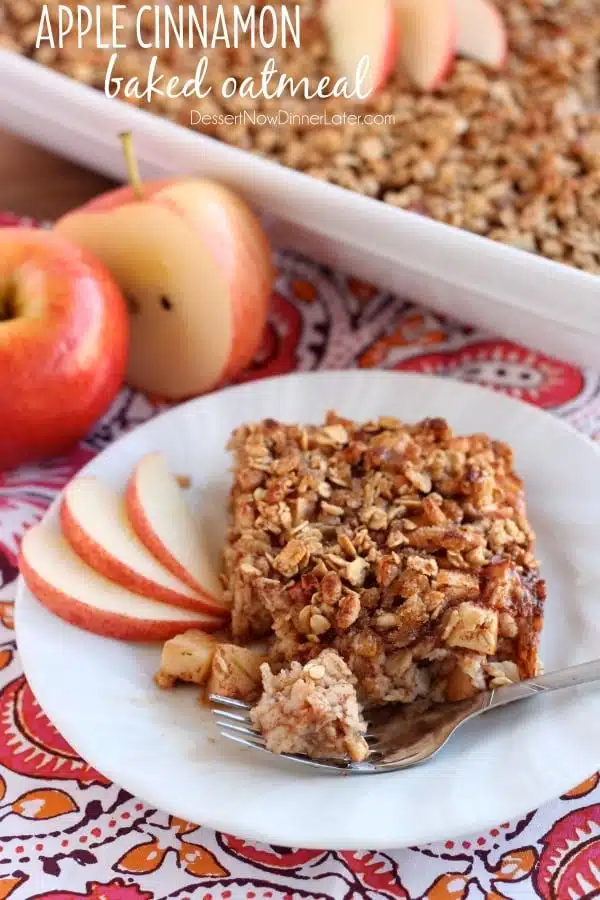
[(73, 591), (94, 521), (427, 30), (481, 34), (160, 517), (357, 29)]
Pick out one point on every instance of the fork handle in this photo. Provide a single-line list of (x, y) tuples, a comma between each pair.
[(586, 673)]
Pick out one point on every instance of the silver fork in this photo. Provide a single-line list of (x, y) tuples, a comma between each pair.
[(404, 736)]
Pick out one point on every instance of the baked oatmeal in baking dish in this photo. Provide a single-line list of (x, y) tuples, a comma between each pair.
[(513, 155), (404, 548)]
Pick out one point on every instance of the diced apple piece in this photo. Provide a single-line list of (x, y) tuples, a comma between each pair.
[(357, 29), (427, 30), (73, 591), (186, 657), (160, 517), (94, 521), (481, 34), (235, 673)]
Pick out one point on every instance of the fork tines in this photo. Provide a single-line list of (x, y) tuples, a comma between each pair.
[(234, 721), (232, 718)]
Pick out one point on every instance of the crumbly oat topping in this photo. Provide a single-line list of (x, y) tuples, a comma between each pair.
[(312, 710), (514, 156), (418, 568)]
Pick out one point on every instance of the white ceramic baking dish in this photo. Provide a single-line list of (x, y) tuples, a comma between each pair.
[(546, 305)]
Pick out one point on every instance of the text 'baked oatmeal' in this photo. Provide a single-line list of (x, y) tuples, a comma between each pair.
[(405, 548)]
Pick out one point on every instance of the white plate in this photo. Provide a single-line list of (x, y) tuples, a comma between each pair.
[(162, 746), (513, 293)]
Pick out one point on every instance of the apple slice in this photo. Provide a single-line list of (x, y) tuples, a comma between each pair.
[(74, 592), (357, 29), (427, 31), (94, 521), (481, 34), (161, 519)]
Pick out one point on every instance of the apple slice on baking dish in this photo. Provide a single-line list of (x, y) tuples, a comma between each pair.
[(360, 29), (95, 523), (71, 590), (481, 34), (160, 517), (427, 34)]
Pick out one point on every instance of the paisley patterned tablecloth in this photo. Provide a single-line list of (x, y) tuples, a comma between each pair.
[(67, 833)]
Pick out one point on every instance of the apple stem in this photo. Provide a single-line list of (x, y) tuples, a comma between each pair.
[(133, 172)]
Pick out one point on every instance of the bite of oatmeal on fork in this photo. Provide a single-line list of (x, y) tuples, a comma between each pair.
[(312, 710)]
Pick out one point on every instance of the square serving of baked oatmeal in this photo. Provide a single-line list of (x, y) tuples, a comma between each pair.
[(403, 547)]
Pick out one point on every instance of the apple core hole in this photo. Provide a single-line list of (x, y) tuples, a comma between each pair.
[(8, 302), (166, 303)]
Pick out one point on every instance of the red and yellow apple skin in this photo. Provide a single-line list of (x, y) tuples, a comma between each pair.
[(94, 522), (157, 512), (72, 591), (117, 625), (64, 337), (481, 33), (197, 271), (428, 30), (356, 30)]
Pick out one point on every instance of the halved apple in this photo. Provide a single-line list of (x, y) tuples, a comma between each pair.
[(481, 34), (427, 31), (196, 268), (76, 593), (94, 521), (160, 517), (357, 29)]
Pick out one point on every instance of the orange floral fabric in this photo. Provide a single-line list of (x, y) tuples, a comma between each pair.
[(66, 832)]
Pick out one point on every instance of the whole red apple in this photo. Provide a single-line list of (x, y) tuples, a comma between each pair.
[(63, 344)]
